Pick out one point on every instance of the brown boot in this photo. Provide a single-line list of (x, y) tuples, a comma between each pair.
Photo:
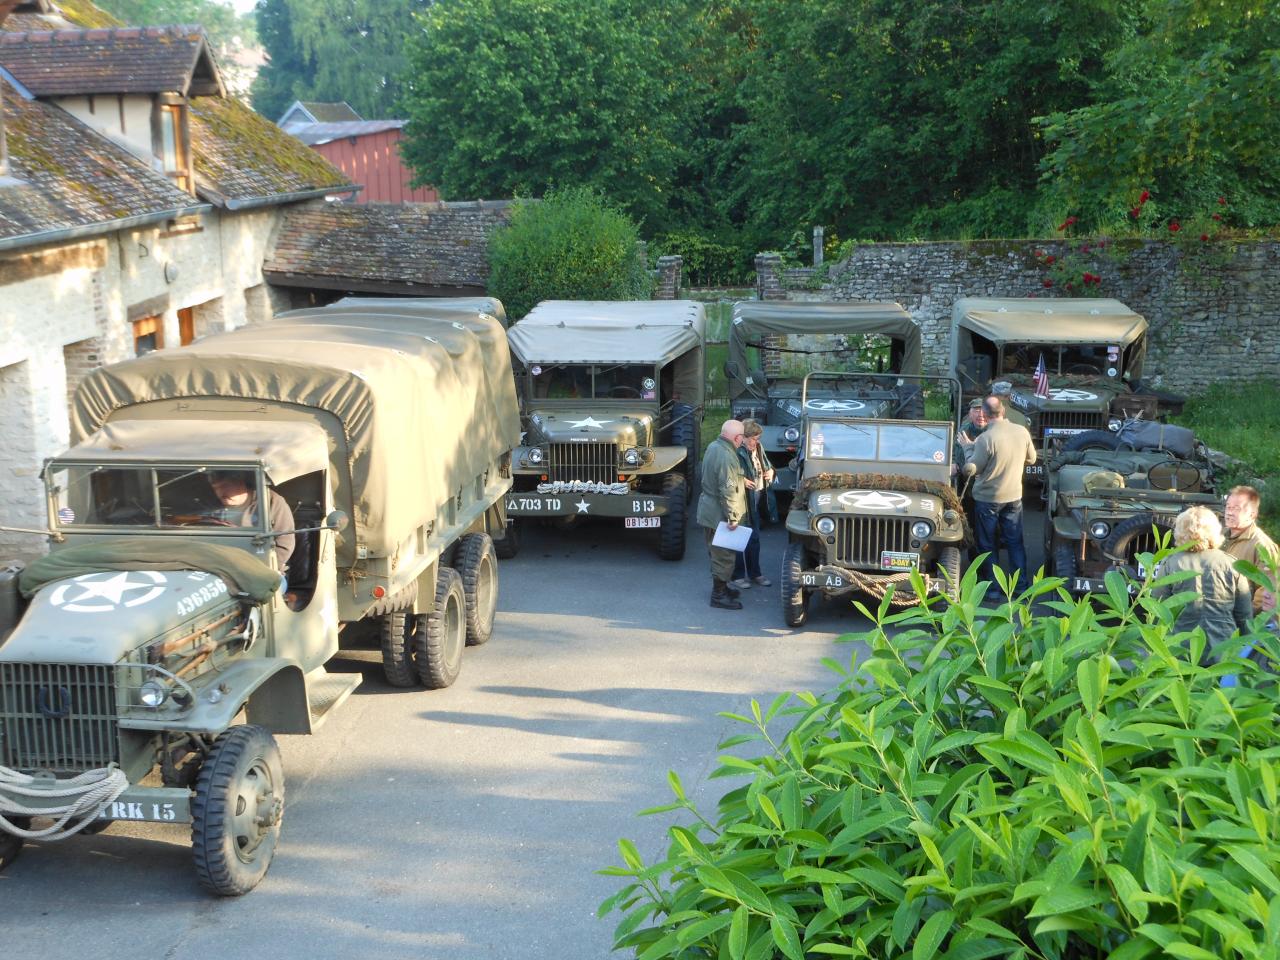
[(720, 596)]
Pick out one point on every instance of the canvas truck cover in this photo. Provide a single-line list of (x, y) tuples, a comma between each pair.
[(1022, 320), (757, 318), (408, 401), (455, 307), (618, 331)]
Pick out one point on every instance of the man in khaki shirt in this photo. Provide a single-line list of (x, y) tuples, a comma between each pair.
[(1000, 454), (1246, 541)]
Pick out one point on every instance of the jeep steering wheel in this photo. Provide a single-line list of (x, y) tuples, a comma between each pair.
[(1084, 368), (1173, 475), (631, 391), (197, 520)]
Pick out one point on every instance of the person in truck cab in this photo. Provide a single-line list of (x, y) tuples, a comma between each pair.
[(235, 490)]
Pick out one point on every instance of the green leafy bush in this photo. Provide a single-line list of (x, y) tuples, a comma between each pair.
[(572, 245), (708, 261), (1068, 784)]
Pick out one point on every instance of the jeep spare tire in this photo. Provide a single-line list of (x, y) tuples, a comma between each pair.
[(1116, 546)]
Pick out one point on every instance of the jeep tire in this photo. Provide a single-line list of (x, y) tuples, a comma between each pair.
[(236, 811), (478, 566), (671, 535), (1064, 560), (949, 570), (10, 845), (795, 598), (1116, 546), (442, 633)]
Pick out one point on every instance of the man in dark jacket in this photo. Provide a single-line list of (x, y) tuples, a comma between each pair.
[(723, 499)]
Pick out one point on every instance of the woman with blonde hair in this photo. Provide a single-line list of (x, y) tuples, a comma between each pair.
[(1224, 601)]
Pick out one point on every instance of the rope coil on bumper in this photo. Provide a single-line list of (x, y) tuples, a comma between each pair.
[(86, 796)]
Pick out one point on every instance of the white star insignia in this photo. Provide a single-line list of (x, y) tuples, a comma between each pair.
[(873, 500), (582, 506), (591, 423), (112, 588)]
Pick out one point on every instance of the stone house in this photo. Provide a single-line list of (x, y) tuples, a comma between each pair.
[(138, 204)]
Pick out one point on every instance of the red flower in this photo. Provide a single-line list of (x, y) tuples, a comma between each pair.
[(1067, 223), (1039, 253), (1146, 195), (1049, 259), (1048, 283), (1136, 212), (1084, 248), (1204, 236), (1174, 226), (1217, 216), (1222, 201), (1101, 244)]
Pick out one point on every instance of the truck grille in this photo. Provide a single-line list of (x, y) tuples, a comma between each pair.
[(1070, 420), (57, 716), (595, 462), (860, 540)]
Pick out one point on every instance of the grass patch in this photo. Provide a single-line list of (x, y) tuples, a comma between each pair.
[(1243, 421)]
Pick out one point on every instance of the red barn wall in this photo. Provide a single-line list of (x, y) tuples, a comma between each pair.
[(374, 160)]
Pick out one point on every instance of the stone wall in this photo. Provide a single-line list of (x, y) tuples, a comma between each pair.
[(1214, 310)]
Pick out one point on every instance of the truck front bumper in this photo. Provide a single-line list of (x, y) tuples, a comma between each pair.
[(143, 804), (638, 506), (834, 581)]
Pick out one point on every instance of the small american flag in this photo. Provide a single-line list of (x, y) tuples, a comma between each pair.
[(66, 515), (1042, 379)]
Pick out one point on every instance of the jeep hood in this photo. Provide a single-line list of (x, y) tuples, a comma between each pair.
[(1083, 395), (886, 504), (97, 618), (625, 427)]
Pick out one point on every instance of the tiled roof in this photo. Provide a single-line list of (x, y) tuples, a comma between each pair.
[(68, 176), (330, 112), (243, 158), (55, 63), (418, 244), (316, 133)]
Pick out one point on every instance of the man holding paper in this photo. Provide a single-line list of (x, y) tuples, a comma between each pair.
[(721, 506)]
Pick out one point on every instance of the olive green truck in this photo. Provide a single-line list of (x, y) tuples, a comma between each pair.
[(128, 654)]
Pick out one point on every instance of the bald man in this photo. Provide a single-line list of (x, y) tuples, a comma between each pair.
[(723, 498)]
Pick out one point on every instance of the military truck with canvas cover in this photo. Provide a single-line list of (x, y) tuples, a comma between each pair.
[(385, 429), (773, 345), (1093, 351), (1109, 495), (612, 395), (875, 502)]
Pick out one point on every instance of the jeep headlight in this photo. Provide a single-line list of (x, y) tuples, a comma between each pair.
[(791, 434), (153, 694), (1113, 424), (921, 529), (825, 526), (1099, 529), (535, 455), (632, 457)]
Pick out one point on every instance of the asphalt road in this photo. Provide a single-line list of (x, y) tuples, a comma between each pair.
[(469, 822)]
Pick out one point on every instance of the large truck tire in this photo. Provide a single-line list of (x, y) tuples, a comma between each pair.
[(508, 546), (674, 529), (397, 648), (478, 566), (686, 432), (795, 598), (237, 810), (442, 633)]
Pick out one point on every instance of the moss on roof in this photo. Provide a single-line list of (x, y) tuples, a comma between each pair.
[(241, 155), (84, 14)]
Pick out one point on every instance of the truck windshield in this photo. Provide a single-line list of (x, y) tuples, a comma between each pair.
[(897, 443), (89, 495), (593, 381), (1084, 359)]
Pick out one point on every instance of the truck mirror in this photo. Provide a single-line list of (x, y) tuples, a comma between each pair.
[(337, 520), (731, 370)]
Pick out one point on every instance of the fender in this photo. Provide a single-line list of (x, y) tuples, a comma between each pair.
[(274, 689)]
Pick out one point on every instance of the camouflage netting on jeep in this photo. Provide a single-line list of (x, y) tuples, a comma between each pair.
[(243, 572), (883, 481)]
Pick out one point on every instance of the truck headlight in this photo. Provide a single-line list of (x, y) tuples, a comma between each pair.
[(632, 457), (535, 455), (921, 529), (153, 694), (825, 526), (1114, 424), (791, 434), (1099, 529)]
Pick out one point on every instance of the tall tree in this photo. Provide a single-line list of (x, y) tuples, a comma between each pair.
[(348, 50), (508, 97), (219, 19)]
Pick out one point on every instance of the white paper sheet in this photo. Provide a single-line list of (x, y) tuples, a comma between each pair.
[(735, 539)]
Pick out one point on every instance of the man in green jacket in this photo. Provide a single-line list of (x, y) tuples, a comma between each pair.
[(723, 498)]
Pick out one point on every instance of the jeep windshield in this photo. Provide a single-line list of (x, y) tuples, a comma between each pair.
[(891, 442), (167, 497), (1059, 359), (593, 381)]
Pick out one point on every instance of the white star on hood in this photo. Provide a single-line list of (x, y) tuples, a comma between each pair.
[(591, 423)]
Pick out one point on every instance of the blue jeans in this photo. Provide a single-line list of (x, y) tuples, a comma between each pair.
[(1004, 519), (747, 563)]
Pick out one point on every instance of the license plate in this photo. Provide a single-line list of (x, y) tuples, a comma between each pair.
[(533, 504), (889, 560), (831, 580), (1063, 431), (642, 521), (1034, 470)]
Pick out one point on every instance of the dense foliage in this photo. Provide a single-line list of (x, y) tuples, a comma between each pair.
[(743, 120), (1067, 785), (572, 245), (219, 19), (333, 50)]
